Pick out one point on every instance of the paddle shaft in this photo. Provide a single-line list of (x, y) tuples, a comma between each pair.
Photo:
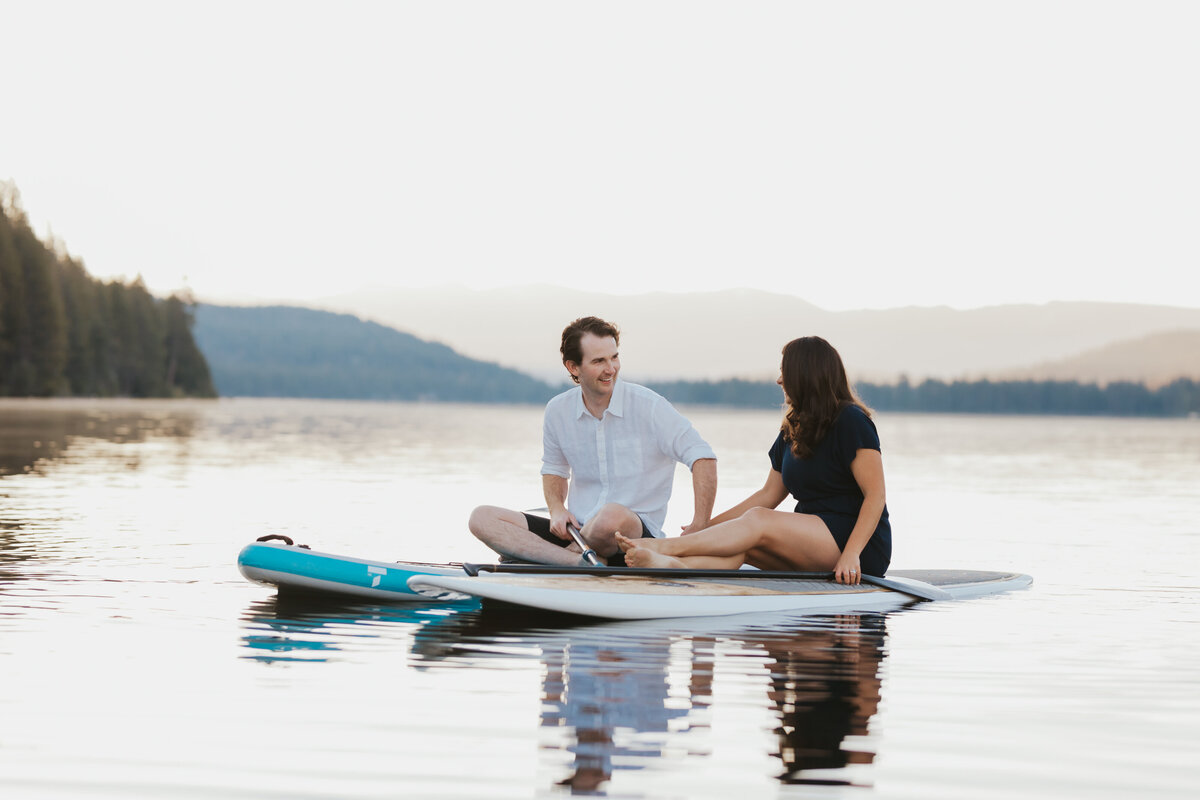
[(916, 589), (589, 555)]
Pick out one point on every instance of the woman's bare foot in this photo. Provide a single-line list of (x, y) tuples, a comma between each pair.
[(626, 544), (644, 557)]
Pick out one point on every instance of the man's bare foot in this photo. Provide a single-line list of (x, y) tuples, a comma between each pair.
[(643, 557)]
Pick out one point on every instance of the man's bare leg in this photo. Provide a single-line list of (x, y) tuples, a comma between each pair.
[(507, 532), (601, 530)]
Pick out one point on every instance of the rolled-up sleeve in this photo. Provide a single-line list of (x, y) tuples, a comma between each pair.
[(554, 462), (678, 437)]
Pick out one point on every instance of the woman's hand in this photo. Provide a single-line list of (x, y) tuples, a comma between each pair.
[(848, 570)]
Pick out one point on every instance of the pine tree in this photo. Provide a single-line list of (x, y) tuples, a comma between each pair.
[(63, 332), (186, 369)]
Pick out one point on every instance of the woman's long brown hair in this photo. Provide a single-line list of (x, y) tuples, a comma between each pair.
[(817, 389)]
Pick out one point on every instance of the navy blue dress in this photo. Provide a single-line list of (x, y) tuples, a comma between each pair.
[(824, 486)]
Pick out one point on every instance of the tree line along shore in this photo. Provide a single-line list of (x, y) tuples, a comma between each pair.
[(1181, 398), (66, 334)]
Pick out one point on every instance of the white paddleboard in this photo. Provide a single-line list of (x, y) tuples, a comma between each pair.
[(658, 597)]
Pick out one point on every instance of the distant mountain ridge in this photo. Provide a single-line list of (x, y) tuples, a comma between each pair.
[(283, 351), (739, 333), (279, 351), (1154, 360)]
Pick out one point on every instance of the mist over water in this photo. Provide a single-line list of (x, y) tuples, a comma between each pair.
[(138, 663)]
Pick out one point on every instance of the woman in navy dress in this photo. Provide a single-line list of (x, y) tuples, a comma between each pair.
[(827, 457)]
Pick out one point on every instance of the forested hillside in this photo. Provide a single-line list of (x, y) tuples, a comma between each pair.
[(65, 333), (1180, 398), (285, 351)]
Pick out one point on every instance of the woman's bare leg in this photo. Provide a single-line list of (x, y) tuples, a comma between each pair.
[(735, 537), (758, 557), (798, 541), (642, 557)]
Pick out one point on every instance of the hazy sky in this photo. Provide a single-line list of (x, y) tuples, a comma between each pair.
[(855, 154)]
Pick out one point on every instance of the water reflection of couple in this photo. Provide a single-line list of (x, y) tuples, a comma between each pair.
[(618, 696), (610, 448), (591, 690), (612, 697)]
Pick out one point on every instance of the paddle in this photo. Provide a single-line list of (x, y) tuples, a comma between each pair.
[(919, 590), (589, 555), (909, 586)]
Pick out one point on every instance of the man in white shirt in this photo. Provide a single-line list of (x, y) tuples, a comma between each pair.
[(609, 450)]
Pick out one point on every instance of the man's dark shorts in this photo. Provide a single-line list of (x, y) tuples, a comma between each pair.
[(541, 526)]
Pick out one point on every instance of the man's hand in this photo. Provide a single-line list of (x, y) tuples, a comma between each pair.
[(558, 523), (694, 526)]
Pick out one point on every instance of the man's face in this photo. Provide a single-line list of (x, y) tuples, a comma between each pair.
[(601, 363)]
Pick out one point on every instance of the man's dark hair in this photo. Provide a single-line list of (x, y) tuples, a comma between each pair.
[(573, 333)]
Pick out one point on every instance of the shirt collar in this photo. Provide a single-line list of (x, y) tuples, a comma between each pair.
[(616, 405)]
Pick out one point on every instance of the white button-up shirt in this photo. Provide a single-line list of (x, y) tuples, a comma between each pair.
[(627, 456)]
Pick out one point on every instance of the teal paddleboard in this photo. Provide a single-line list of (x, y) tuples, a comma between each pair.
[(293, 568)]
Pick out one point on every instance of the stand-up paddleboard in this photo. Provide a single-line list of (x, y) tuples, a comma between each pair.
[(631, 593), (293, 568)]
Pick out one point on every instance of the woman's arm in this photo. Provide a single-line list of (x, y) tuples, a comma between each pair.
[(770, 495), (867, 468)]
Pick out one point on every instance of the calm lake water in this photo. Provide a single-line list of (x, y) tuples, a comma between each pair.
[(136, 662)]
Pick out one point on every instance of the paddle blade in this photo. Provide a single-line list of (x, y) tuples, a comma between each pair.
[(909, 586)]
